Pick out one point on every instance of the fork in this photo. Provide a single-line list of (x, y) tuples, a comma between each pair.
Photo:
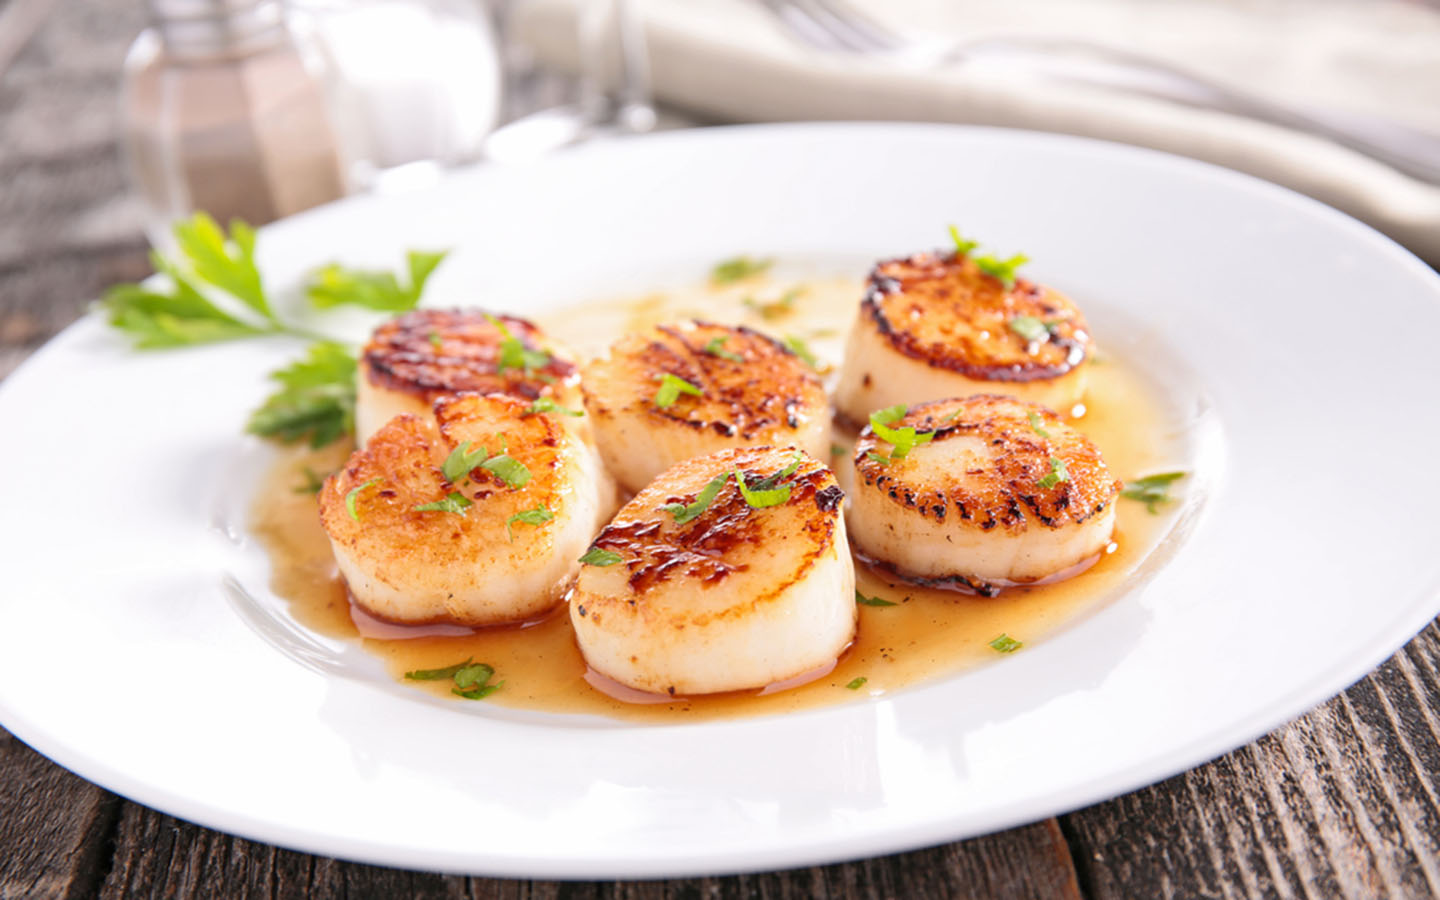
[(837, 27)]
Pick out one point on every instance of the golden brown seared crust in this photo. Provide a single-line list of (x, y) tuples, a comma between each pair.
[(942, 310), (729, 537), (404, 461), (766, 392), (436, 352), (1004, 489)]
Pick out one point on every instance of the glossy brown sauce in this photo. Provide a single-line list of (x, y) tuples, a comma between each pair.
[(927, 634)]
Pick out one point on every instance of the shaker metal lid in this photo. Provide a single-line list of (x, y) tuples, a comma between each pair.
[(217, 26)]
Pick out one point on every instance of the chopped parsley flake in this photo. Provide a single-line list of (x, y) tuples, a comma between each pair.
[(880, 458), (508, 469), (716, 347), (871, 601), (472, 679), (1057, 474), (313, 481), (597, 556), (1002, 270), (513, 352), (1005, 644), (798, 347), (435, 340), (761, 498), (856, 684), (774, 309), (461, 461), (453, 502), (547, 405), (671, 387), (684, 513), (537, 516), (1152, 490), (738, 268), (1029, 328), (436, 674), (351, 497), (903, 440), (1035, 426), (962, 246)]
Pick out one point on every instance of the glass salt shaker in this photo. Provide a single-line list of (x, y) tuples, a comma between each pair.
[(224, 111)]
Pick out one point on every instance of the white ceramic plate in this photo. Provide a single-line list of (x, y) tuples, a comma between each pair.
[(1300, 344)]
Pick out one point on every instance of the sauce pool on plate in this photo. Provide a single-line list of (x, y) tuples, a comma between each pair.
[(924, 633)]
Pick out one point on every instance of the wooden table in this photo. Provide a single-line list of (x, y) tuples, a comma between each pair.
[(1345, 801)]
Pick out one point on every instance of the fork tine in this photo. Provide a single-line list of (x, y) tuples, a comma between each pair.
[(802, 24)]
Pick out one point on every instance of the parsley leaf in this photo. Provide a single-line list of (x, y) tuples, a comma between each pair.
[(962, 246), (226, 263), (1002, 270), (774, 309), (547, 405), (903, 440), (684, 513), (716, 347), (871, 601), (671, 387), (508, 469), (316, 398), (1057, 474), (468, 676), (513, 352), (761, 498), (453, 502), (354, 494), (333, 285), (786, 472), (1152, 490), (597, 556), (1005, 644), (798, 347), (1030, 328), (436, 674), (737, 269), (537, 516), (1035, 426), (856, 683), (462, 461)]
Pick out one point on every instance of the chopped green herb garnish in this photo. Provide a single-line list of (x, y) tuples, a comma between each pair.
[(537, 516), (547, 405), (436, 674), (313, 482), (761, 498), (462, 461), (479, 693), (1057, 474), (1035, 425), (470, 675), (1152, 490), (1005, 644), (903, 440), (333, 285), (508, 469), (1002, 270), (770, 482), (513, 352), (597, 556), (435, 340), (871, 601), (777, 308), (716, 347), (354, 494), (316, 399), (856, 684), (671, 387), (453, 502), (800, 349), (738, 268), (878, 457), (1029, 328), (684, 513), (838, 449), (962, 246)]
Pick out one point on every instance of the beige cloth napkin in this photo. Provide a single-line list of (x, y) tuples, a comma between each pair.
[(732, 60)]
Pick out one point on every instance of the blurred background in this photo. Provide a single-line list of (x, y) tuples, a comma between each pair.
[(117, 116)]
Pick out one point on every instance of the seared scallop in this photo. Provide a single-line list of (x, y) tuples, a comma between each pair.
[(935, 325), (694, 589), (475, 515), (979, 493), (678, 391), (419, 357)]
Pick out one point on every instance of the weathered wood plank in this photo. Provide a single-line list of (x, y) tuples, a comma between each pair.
[(54, 827), (158, 856), (1343, 802)]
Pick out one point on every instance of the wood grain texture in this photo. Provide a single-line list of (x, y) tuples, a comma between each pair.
[(1343, 802), (157, 856), (54, 827)]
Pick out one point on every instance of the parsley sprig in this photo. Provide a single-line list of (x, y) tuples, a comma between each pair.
[(211, 290)]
